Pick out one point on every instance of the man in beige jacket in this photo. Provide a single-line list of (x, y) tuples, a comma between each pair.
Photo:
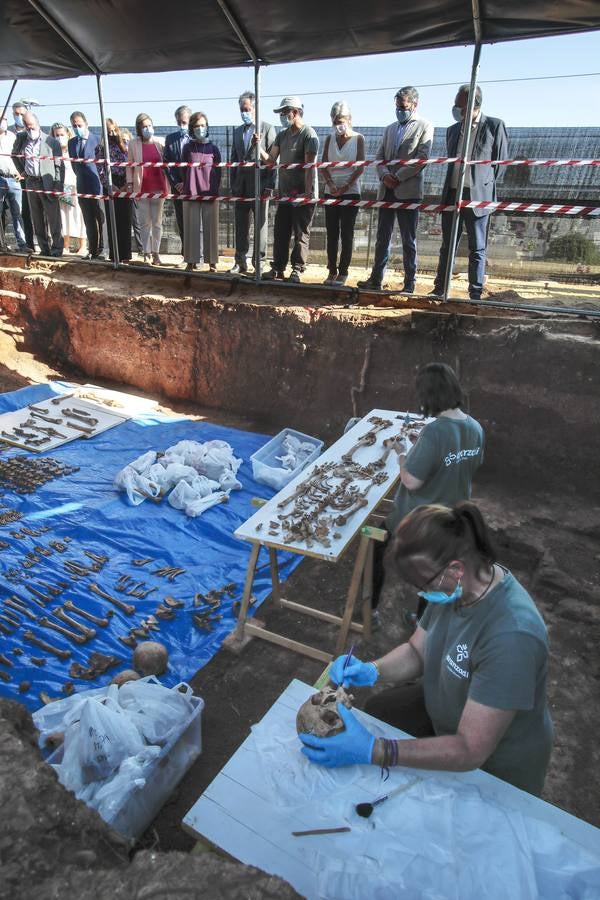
[(409, 137)]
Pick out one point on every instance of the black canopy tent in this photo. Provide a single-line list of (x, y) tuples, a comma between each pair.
[(125, 36), (67, 38)]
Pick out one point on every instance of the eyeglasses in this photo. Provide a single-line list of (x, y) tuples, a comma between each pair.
[(437, 575)]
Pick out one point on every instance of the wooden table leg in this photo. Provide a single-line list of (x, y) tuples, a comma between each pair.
[(276, 586), (367, 591), (355, 583), (239, 629)]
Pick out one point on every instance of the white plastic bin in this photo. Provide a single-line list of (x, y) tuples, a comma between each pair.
[(141, 805), (267, 469)]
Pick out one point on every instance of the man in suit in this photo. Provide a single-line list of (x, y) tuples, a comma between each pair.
[(19, 109), (245, 139), (488, 141), (409, 137), (41, 175), (83, 145), (174, 144)]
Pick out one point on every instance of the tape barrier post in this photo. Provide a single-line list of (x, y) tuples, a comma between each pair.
[(257, 172)]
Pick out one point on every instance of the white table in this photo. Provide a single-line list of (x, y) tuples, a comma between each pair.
[(257, 530), (236, 814)]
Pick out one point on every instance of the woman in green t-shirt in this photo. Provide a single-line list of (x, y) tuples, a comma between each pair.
[(439, 468), (481, 650)]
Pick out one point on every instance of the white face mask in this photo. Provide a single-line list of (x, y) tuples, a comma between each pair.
[(343, 128), (63, 140), (33, 133)]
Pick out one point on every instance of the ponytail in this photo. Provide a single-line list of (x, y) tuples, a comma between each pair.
[(441, 534)]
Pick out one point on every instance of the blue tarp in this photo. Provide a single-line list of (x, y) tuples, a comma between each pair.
[(84, 506)]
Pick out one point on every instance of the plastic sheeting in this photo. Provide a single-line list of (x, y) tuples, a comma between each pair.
[(441, 839), (85, 507)]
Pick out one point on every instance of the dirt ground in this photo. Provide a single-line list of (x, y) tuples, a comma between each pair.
[(551, 542)]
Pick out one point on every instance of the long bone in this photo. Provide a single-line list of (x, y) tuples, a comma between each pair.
[(40, 415), (32, 639), (83, 614), (21, 609), (80, 428), (127, 608), (44, 622), (89, 633), (6, 661)]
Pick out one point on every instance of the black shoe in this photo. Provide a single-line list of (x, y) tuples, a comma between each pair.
[(474, 296), (436, 294), (272, 275), (238, 270), (294, 276), (407, 288), (369, 284)]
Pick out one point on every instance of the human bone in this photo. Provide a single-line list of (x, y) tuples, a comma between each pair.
[(125, 676), (319, 716), (150, 658)]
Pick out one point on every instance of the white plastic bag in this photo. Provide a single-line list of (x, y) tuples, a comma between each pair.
[(106, 738), (156, 711)]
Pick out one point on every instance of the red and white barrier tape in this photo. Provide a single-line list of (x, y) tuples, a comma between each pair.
[(345, 164), (489, 205)]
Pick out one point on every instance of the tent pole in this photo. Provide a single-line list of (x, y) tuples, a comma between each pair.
[(9, 98), (466, 151), (112, 219), (257, 187)]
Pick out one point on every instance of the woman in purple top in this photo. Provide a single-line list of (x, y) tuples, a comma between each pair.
[(201, 217)]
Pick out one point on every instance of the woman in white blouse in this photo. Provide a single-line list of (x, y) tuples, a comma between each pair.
[(73, 226), (343, 183)]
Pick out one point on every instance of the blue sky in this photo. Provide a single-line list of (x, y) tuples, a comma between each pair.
[(560, 101)]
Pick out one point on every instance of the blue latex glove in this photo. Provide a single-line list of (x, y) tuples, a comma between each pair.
[(354, 745), (359, 673)]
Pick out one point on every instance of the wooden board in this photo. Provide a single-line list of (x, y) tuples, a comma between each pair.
[(235, 813), (256, 528), (54, 407)]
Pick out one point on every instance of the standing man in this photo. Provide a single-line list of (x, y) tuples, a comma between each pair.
[(245, 139), (10, 188), (84, 145), (19, 109), (409, 137), (174, 144), (488, 141), (41, 175), (295, 143)]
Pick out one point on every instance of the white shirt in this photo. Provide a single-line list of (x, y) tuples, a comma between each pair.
[(7, 166), (459, 152)]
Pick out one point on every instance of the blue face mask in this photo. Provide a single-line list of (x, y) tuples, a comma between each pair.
[(183, 129), (457, 113), (200, 132), (147, 131), (18, 120), (80, 131), (440, 596), (403, 115), (247, 118), (285, 122)]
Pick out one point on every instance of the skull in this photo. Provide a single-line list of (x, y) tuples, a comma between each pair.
[(319, 716)]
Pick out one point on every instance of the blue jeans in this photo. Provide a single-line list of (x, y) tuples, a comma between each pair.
[(477, 230), (407, 219), (11, 189)]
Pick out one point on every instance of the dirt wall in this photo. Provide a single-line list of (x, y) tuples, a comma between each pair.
[(531, 381)]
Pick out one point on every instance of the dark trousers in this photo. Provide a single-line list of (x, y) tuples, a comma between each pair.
[(291, 222), (408, 220), (45, 216), (340, 222), (93, 219), (27, 221), (123, 223), (243, 212), (178, 207), (477, 232), (403, 707)]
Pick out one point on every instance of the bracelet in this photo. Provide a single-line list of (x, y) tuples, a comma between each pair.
[(373, 663)]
